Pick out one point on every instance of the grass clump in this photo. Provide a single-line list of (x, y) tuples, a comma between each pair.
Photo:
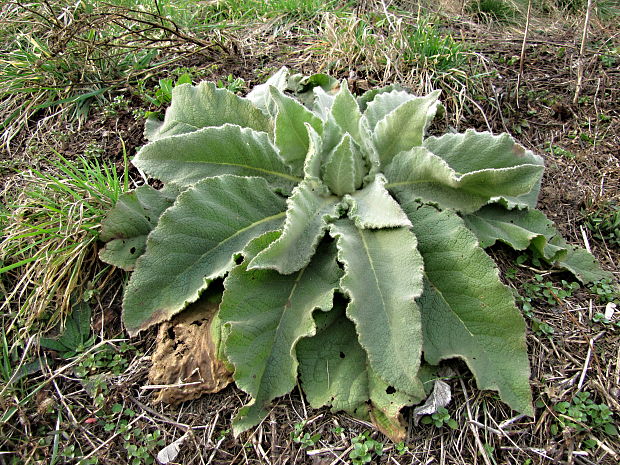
[(489, 11), (50, 230), (414, 52)]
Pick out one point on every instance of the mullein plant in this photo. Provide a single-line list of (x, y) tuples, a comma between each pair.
[(351, 246)]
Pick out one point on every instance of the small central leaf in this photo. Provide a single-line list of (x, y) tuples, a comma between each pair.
[(308, 214), (341, 167), (374, 208), (291, 136)]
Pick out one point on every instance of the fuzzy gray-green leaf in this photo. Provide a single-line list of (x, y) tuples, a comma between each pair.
[(383, 104), (346, 112), (580, 263), (472, 151), (213, 151), (309, 211), (466, 310), (335, 372), (421, 175), (374, 208), (127, 225), (195, 242), (519, 229), (383, 276), (404, 127), (195, 107), (340, 165), (267, 313), (291, 136)]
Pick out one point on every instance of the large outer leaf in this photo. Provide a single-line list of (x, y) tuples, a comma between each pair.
[(580, 263), (421, 175), (332, 364), (195, 242), (519, 229), (466, 310), (473, 151), (126, 226), (291, 136), (374, 208), (260, 94), (267, 314), (228, 149), (195, 107), (309, 211), (382, 104), (334, 371), (383, 274), (404, 127)]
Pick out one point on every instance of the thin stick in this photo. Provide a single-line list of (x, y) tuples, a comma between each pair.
[(581, 51), (522, 58), (473, 429)]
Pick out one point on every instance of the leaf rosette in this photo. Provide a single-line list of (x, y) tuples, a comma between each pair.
[(349, 243)]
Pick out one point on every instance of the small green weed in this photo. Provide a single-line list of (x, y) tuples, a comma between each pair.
[(304, 439), (601, 319), (541, 328), (583, 414), (559, 151), (604, 222), (605, 291), (364, 449), (118, 103), (163, 91), (109, 359), (401, 448), (76, 337), (542, 291), (549, 292), (440, 419), (430, 49), (233, 84), (139, 443)]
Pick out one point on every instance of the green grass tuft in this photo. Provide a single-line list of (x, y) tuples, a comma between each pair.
[(51, 226)]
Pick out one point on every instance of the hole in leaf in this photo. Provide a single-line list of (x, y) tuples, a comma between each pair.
[(342, 355), (132, 250), (390, 390)]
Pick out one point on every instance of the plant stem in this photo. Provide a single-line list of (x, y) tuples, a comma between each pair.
[(581, 50)]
